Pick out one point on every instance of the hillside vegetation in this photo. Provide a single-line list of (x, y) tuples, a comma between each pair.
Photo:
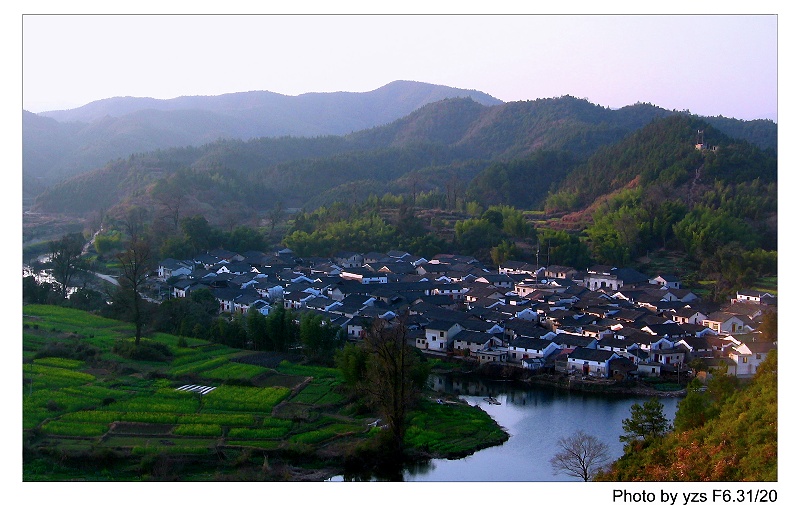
[(722, 435)]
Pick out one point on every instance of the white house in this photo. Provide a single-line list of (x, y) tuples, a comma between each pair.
[(590, 361), (171, 267), (747, 356), (667, 281), (522, 348), (725, 323), (439, 335), (474, 341)]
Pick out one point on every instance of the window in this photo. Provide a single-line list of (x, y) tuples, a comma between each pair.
[(744, 359), (758, 356)]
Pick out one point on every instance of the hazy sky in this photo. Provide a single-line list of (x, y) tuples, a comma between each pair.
[(708, 64)]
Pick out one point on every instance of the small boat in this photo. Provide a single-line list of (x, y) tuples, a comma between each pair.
[(492, 400)]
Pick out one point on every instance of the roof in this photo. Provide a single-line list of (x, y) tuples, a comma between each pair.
[(570, 339), (585, 354), (473, 337), (530, 343)]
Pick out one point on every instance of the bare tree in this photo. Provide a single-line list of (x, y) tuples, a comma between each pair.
[(65, 256), (136, 262), (275, 215), (581, 455), (170, 195), (394, 376)]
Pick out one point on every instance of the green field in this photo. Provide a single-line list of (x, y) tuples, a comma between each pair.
[(85, 407)]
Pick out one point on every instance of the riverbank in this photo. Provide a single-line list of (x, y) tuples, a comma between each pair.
[(520, 377)]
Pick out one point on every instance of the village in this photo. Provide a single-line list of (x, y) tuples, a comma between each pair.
[(604, 323)]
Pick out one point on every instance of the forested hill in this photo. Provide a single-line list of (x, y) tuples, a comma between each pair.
[(61, 144), (663, 154), (454, 142)]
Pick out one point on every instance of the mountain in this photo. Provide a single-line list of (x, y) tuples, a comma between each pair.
[(510, 153), (61, 144), (664, 153)]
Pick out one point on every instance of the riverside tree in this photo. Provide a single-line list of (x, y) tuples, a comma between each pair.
[(388, 373), (647, 422), (65, 256), (580, 455)]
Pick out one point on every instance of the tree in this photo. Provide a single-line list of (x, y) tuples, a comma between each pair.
[(319, 337), (694, 409), (169, 194), (769, 327), (394, 378), (136, 262), (647, 422), (275, 215), (65, 256), (580, 455)]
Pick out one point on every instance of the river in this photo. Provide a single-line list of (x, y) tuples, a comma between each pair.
[(535, 419)]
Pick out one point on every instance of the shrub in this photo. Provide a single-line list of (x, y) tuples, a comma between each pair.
[(54, 406), (147, 350)]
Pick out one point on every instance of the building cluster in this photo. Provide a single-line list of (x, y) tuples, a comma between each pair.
[(602, 322)]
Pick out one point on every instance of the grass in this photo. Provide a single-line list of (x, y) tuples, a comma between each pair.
[(451, 429)]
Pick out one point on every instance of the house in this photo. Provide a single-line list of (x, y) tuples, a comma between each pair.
[(687, 315), (747, 356), (235, 268), (726, 323), (474, 341), (621, 368), (226, 297), (522, 348), (696, 347), (753, 296), (672, 331), (183, 287), (491, 355), (559, 272), (573, 341), (649, 369), (593, 362), (439, 335), (297, 299), (363, 275), (518, 267), (171, 268), (674, 356), (502, 281), (262, 306), (348, 259), (243, 302), (602, 281), (667, 281)]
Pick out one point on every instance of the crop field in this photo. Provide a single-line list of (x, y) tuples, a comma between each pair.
[(69, 402), (82, 398), (320, 392)]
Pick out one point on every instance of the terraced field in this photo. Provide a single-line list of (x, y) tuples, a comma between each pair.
[(81, 401)]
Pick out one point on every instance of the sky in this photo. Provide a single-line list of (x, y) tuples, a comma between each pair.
[(707, 64)]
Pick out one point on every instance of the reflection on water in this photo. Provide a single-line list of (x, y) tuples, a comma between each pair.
[(535, 419)]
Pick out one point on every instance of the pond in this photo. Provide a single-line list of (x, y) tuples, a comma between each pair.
[(535, 419)]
